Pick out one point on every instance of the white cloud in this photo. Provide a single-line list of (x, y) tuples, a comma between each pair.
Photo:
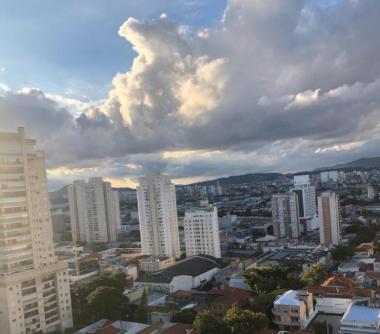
[(272, 88)]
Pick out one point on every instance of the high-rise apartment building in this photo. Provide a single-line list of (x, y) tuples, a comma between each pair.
[(158, 216), (329, 218), (34, 286), (285, 216), (202, 232), (94, 210), (307, 202)]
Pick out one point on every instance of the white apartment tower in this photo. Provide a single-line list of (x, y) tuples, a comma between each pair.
[(285, 216), (329, 216), (202, 232), (307, 201), (158, 216), (94, 210), (34, 286)]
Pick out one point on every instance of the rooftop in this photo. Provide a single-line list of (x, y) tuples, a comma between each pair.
[(288, 298), (358, 313), (192, 266)]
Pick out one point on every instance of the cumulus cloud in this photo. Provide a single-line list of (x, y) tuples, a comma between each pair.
[(276, 86)]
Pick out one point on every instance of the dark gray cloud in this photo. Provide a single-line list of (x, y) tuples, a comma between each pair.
[(277, 86)]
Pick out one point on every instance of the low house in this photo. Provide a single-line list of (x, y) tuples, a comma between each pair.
[(371, 279), (292, 309), (349, 267), (226, 299), (334, 294), (364, 251)]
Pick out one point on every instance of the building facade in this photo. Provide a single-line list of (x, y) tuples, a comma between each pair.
[(329, 218), (292, 309), (202, 232), (94, 211), (157, 207), (34, 286), (307, 202), (186, 275), (285, 216)]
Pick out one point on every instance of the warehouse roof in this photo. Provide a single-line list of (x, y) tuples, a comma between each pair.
[(192, 266)]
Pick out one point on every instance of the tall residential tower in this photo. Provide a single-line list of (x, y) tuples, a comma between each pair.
[(94, 210), (329, 215), (202, 231), (285, 216), (34, 286), (158, 216), (307, 202)]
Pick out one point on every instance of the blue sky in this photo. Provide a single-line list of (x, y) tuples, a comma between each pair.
[(72, 47)]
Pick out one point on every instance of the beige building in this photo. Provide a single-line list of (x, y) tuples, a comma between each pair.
[(329, 218), (292, 309), (202, 232), (94, 210), (158, 216), (34, 286)]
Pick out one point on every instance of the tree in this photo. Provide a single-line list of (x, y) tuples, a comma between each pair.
[(186, 316), (104, 280), (342, 253), (88, 265), (120, 279), (82, 312), (107, 302), (376, 246), (141, 313), (239, 321), (320, 327), (266, 279), (263, 303), (314, 274), (205, 323)]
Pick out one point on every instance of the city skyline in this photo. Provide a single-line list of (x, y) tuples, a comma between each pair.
[(194, 89)]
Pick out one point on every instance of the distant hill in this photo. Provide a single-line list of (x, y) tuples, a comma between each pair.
[(365, 163), (246, 178), (58, 196)]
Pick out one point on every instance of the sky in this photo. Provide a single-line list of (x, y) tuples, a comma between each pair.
[(196, 89)]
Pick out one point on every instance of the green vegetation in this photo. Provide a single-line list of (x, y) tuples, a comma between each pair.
[(107, 303), (263, 303), (100, 297), (364, 233), (88, 265), (141, 313), (321, 327), (376, 246), (342, 253), (315, 274), (239, 321), (236, 321), (264, 280), (205, 323), (186, 316)]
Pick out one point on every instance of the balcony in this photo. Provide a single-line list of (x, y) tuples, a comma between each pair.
[(285, 313), (287, 322)]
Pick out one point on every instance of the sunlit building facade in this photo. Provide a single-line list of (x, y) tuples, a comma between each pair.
[(34, 286), (94, 211), (157, 207), (202, 232)]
